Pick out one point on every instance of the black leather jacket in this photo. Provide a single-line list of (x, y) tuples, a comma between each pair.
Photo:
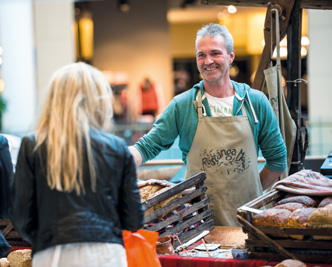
[(46, 217), (6, 172)]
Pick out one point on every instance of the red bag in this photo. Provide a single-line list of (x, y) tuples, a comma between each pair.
[(141, 248)]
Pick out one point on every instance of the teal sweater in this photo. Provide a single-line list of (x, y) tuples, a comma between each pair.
[(180, 119)]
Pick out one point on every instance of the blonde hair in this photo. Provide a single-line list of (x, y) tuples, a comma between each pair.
[(79, 99)]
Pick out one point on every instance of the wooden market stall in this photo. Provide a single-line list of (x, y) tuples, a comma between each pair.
[(290, 21)]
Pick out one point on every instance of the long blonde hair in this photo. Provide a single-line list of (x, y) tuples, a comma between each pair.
[(79, 99)]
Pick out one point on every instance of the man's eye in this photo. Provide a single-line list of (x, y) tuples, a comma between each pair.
[(215, 54), (200, 56)]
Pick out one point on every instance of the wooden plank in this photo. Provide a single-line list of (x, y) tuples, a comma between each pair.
[(295, 244), (302, 257), (298, 231), (174, 190), (308, 4), (177, 217), (175, 203), (186, 236), (177, 229)]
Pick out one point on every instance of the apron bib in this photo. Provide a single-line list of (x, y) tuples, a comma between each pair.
[(224, 148)]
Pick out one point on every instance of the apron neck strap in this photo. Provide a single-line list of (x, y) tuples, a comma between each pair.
[(199, 104)]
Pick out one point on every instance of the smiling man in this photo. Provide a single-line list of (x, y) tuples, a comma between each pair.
[(221, 126)]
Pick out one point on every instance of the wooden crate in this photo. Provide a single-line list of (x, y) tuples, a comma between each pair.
[(197, 198), (12, 237), (274, 243)]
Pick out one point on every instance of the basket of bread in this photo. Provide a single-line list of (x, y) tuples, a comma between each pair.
[(293, 220), (179, 210)]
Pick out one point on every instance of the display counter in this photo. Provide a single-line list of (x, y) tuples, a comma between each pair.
[(227, 237)]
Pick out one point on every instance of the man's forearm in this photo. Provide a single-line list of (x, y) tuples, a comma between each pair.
[(268, 177), (136, 155)]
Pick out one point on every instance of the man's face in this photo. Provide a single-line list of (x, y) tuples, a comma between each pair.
[(212, 59)]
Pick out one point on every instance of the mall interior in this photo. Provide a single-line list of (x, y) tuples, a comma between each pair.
[(133, 40)]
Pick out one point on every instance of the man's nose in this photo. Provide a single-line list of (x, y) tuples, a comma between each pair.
[(208, 60)]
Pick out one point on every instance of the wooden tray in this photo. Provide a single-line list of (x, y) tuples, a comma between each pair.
[(274, 243), (197, 198), (11, 235)]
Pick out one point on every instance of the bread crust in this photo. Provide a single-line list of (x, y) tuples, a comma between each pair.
[(305, 200), (325, 202), (271, 217), (291, 206)]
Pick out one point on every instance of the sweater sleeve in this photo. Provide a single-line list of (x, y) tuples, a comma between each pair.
[(162, 135)]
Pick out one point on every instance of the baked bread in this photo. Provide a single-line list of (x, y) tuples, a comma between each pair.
[(20, 258), (325, 201), (299, 219), (291, 206), (305, 200), (148, 190), (4, 262), (271, 217), (321, 218), (291, 263)]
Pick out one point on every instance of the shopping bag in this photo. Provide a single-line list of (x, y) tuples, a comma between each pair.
[(141, 248)]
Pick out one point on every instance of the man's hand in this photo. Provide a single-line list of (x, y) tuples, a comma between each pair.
[(268, 177), (136, 155)]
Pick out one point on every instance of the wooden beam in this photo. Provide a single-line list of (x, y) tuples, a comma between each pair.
[(307, 4)]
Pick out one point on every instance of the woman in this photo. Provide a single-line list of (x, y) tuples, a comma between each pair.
[(75, 185)]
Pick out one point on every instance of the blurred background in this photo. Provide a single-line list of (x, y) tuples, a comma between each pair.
[(131, 41)]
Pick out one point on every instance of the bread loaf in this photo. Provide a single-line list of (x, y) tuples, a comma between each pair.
[(321, 218), (305, 200), (271, 217), (4, 262), (299, 219), (291, 206), (148, 190), (291, 263), (20, 258), (325, 201)]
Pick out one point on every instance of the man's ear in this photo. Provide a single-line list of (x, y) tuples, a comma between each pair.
[(231, 57)]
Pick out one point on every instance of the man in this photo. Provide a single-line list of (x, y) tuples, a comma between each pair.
[(221, 126)]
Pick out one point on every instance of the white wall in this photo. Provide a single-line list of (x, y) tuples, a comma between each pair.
[(36, 36), (19, 65), (320, 81)]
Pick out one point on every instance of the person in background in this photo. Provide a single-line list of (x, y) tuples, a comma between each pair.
[(6, 172), (75, 186), (221, 125), (150, 98)]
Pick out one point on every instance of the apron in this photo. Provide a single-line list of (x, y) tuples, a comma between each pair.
[(224, 148)]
